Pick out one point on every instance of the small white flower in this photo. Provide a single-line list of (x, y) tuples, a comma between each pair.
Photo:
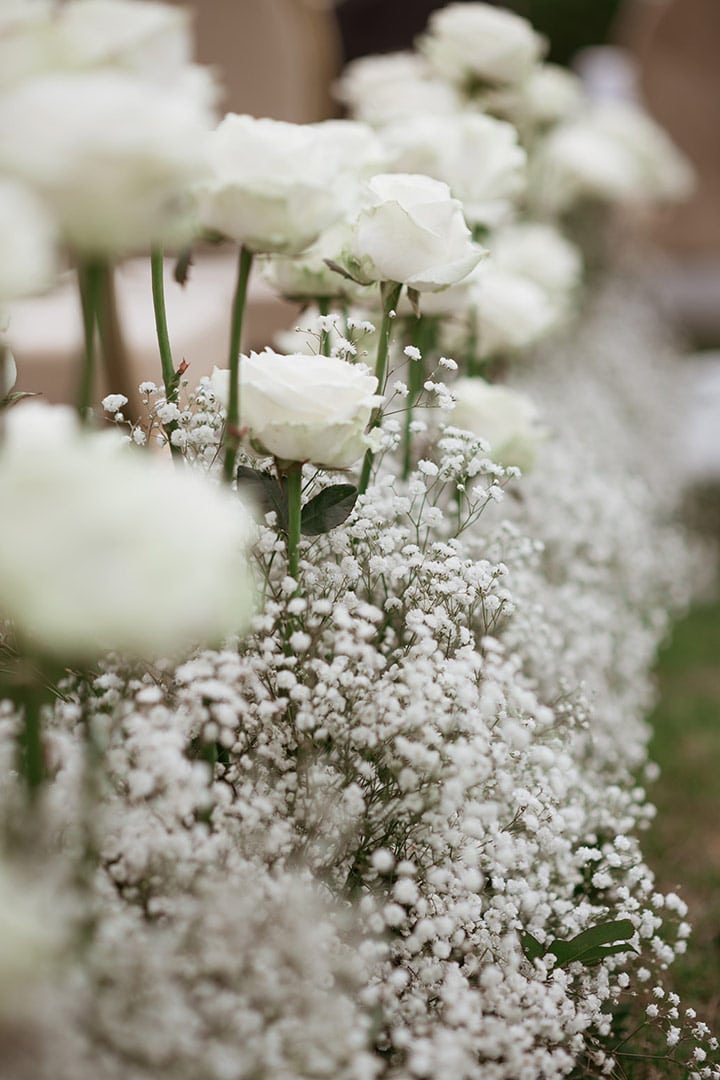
[(113, 403)]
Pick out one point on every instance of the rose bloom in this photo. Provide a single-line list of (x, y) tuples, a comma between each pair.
[(114, 157), (412, 232), (478, 157), (300, 408), (271, 184), (510, 312), (105, 548), (384, 89), (539, 252), (26, 241), (505, 418), (479, 43), (615, 152)]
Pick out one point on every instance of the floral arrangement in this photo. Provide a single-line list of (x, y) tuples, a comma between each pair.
[(323, 682)]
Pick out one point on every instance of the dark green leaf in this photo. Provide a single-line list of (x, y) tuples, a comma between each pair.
[(14, 397), (182, 266), (591, 944), (414, 297), (328, 509), (532, 947), (267, 491)]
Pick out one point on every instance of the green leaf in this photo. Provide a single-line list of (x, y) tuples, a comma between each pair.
[(340, 270), (592, 944), (267, 491), (328, 509), (532, 948), (14, 397), (414, 298), (182, 266)]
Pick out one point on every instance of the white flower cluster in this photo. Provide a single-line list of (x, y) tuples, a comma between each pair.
[(394, 832)]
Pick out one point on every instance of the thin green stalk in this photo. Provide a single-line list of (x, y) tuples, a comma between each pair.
[(31, 761), (390, 295), (324, 309), (232, 422), (294, 492), (424, 335), (90, 276), (170, 377)]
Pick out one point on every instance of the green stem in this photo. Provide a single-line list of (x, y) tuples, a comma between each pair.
[(390, 293), (324, 309), (90, 275), (31, 762), (232, 422), (170, 377), (424, 339), (294, 492)]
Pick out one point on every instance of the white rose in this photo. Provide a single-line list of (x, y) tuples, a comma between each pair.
[(511, 312), (469, 43), (8, 371), (540, 253), (615, 152), (26, 242), (505, 418), (114, 156), (104, 548), (478, 157), (271, 187), (31, 940), (304, 408), (308, 276), (412, 232), (552, 94), (152, 39), (385, 89), (26, 40)]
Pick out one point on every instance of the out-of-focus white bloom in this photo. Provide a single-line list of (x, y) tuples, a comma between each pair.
[(350, 153), (511, 312), (507, 419), (150, 38), (308, 276), (103, 549), (115, 157), (271, 185), (478, 157), (8, 371), (304, 408), (29, 944), (468, 43), (553, 93), (615, 152), (26, 242), (540, 253), (413, 232), (26, 40), (384, 89)]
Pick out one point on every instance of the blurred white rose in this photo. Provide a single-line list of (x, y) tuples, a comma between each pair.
[(511, 312), (104, 548), (553, 93), (614, 152), (152, 39), (308, 276), (27, 243), (469, 43), (272, 185), (412, 232), (540, 253), (115, 157), (8, 371), (385, 89), (303, 408), (505, 418), (478, 157)]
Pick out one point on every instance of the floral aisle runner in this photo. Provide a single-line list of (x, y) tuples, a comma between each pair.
[(323, 682)]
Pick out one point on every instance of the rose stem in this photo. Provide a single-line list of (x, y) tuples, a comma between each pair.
[(232, 421), (294, 492), (31, 764), (424, 333), (89, 276), (324, 308), (170, 378), (390, 292)]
